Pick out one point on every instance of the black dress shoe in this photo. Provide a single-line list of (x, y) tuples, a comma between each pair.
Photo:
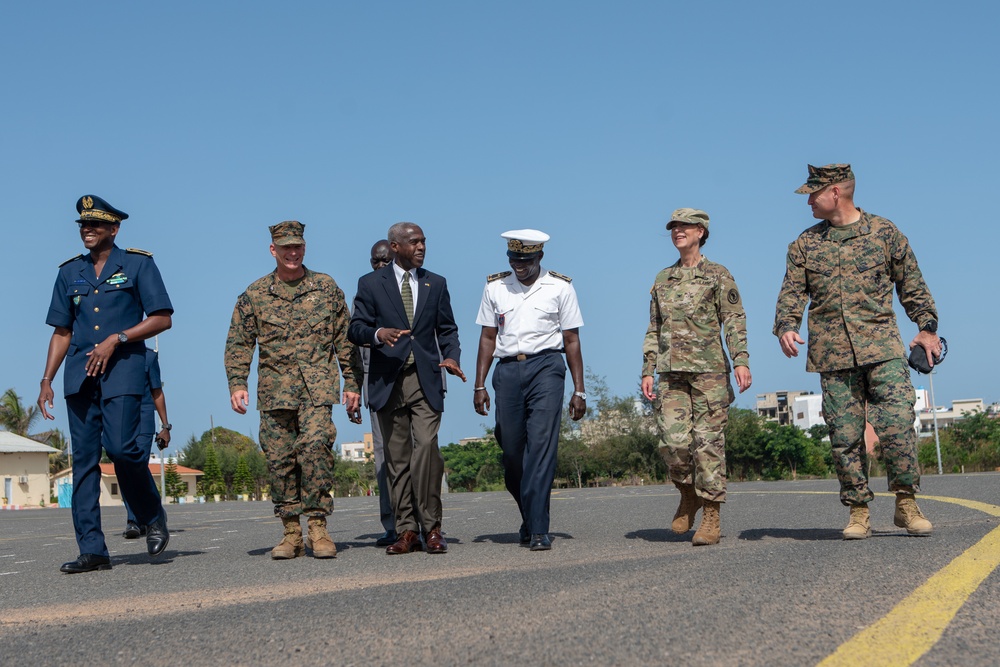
[(86, 563), (523, 536), (133, 530), (388, 537), (540, 542), (157, 535)]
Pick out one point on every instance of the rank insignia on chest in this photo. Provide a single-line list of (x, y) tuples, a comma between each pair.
[(501, 318), (117, 279)]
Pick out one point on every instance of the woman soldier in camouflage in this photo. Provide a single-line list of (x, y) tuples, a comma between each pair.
[(692, 301)]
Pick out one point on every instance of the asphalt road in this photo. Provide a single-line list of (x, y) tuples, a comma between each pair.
[(617, 588)]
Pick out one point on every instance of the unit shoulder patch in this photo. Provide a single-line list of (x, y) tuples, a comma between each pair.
[(71, 259), (560, 276), (497, 276), (137, 251), (733, 296)]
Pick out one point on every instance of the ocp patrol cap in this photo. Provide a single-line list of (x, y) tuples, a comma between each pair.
[(289, 232), (820, 177), (92, 208), (689, 216), (524, 243)]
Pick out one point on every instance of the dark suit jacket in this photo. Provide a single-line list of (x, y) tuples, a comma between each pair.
[(378, 304)]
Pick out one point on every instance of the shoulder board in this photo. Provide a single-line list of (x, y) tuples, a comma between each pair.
[(560, 276), (497, 276), (71, 259), (139, 252)]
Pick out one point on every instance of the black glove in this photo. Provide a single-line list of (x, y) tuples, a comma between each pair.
[(918, 358)]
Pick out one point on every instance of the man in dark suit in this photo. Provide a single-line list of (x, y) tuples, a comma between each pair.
[(404, 312)]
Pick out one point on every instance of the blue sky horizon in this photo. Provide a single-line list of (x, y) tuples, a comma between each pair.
[(586, 120)]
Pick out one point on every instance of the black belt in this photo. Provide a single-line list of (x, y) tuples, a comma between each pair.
[(522, 357)]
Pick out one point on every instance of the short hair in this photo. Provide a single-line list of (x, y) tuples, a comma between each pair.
[(395, 233), (847, 189)]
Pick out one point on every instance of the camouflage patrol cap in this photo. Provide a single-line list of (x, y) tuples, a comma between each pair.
[(820, 177), (691, 216), (289, 232)]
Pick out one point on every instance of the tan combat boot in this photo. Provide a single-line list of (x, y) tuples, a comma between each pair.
[(909, 516), (859, 526), (708, 531), (319, 540), (291, 544), (686, 511)]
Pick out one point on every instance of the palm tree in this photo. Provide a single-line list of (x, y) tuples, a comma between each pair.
[(17, 419), (60, 461)]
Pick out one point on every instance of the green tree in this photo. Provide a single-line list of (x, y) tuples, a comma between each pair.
[(243, 483), (787, 448), (175, 486), (745, 453), (20, 420), (230, 447), (212, 482), (474, 466), (977, 435), (58, 461)]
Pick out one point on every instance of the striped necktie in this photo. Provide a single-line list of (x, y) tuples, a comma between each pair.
[(407, 294)]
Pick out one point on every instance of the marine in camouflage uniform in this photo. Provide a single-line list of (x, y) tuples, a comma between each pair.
[(846, 268), (300, 326), (691, 303)]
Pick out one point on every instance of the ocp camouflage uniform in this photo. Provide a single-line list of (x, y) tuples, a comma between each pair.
[(688, 310), (302, 334), (847, 275)]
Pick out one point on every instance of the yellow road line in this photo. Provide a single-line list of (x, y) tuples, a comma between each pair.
[(916, 624)]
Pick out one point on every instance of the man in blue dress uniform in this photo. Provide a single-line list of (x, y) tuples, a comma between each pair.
[(530, 316), (104, 304)]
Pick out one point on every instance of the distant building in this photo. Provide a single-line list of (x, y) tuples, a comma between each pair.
[(359, 452), (110, 490), (945, 416), (807, 411), (776, 406), (24, 471)]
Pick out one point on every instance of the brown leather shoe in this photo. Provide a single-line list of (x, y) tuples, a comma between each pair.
[(435, 542), (407, 542)]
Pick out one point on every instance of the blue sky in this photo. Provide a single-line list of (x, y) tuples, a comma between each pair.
[(591, 121)]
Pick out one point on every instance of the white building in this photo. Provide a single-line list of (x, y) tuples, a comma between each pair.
[(807, 411), (24, 471)]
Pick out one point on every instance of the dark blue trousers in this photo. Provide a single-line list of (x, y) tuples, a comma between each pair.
[(111, 424), (145, 442), (529, 399)]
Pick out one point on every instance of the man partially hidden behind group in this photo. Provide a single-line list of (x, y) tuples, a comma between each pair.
[(381, 257), (298, 318), (104, 304), (692, 303), (846, 268), (529, 317), (404, 312)]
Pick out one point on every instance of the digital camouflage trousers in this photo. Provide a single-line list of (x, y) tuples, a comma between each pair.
[(298, 445), (691, 414), (885, 391)]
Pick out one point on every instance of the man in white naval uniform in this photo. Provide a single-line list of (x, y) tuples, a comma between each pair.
[(530, 316)]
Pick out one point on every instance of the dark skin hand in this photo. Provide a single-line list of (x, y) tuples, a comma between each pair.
[(574, 359), (98, 358)]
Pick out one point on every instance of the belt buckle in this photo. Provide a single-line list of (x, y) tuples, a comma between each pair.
[(521, 357)]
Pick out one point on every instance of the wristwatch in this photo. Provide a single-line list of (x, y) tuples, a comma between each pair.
[(930, 326), (122, 337), (580, 394), (165, 427)]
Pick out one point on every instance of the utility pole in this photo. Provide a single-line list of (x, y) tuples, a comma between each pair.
[(937, 440)]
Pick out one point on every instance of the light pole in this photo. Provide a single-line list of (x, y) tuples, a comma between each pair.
[(937, 440)]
